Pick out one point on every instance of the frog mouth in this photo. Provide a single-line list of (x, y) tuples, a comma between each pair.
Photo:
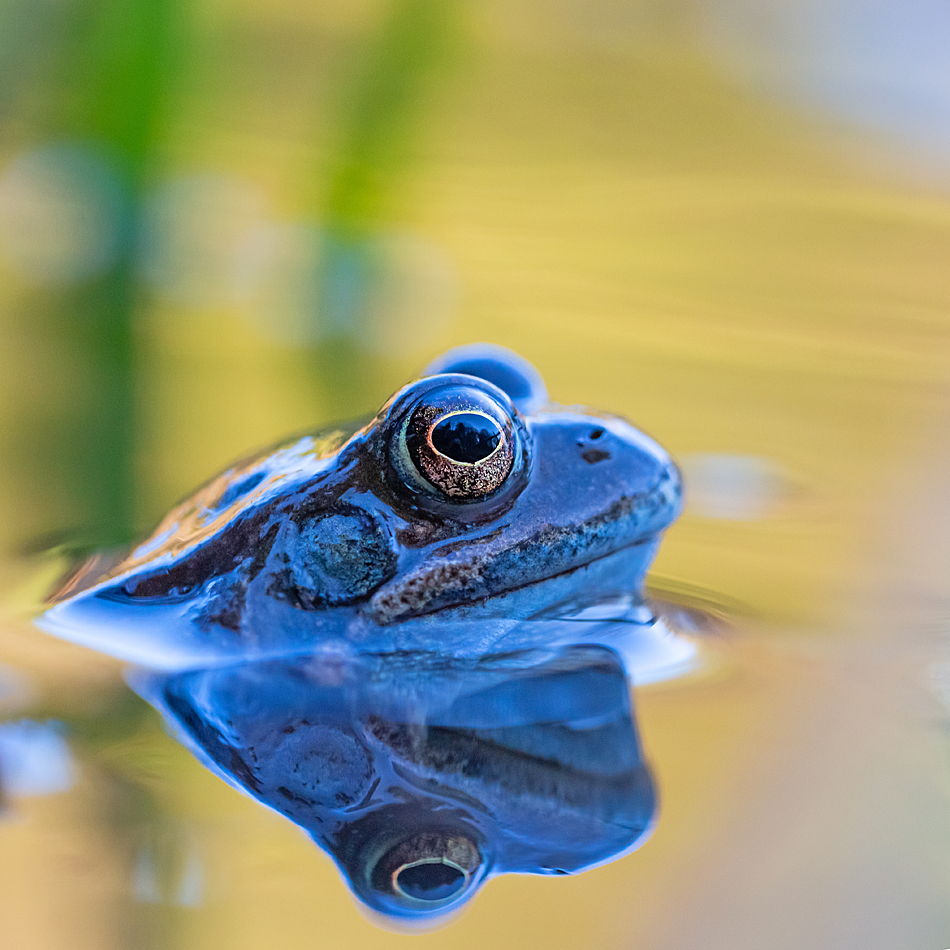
[(631, 528), (455, 586)]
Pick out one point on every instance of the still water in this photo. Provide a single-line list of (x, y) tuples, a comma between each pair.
[(599, 189), (415, 640)]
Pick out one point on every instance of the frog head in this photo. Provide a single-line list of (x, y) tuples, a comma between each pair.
[(468, 503)]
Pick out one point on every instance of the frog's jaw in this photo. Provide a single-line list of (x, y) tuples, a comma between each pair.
[(600, 491), (608, 577)]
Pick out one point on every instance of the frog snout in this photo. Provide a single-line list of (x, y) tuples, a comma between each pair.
[(631, 468)]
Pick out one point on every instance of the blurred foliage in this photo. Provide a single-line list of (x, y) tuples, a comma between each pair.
[(735, 277), (382, 114), (115, 66), (379, 120)]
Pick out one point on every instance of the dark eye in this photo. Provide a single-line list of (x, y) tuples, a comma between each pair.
[(466, 437), (432, 879), (457, 442), (428, 868)]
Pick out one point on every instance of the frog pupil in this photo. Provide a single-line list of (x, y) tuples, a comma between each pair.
[(466, 437), (430, 881)]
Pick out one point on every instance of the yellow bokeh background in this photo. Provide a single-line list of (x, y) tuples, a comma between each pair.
[(733, 274)]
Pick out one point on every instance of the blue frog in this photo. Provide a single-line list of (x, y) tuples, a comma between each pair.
[(413, 638), (469, 516)]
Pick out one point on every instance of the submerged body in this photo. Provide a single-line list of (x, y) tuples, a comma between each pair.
[(468, 515)]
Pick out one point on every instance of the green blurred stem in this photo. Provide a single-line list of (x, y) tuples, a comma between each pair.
[(121, 69), (380, 123), (378, 130)]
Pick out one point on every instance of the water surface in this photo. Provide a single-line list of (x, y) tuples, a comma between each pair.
[(739, 280)]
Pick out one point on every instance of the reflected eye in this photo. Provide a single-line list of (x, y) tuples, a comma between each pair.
[(458, 442), (434, 879), (428, 868)]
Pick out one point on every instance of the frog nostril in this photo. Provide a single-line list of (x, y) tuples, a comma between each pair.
[(596, 433)]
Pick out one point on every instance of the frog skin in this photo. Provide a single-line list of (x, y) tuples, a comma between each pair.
[(527, 762), (468, 515)]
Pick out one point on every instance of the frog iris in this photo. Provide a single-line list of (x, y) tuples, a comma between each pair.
[(459, 442)]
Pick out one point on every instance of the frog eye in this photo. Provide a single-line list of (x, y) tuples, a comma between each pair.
[(457, 442), (427, 870)]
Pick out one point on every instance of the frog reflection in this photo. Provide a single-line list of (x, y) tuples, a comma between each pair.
[(467, 506), (422, 775)]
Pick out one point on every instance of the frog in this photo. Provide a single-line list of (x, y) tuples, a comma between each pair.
[(469, 514)]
